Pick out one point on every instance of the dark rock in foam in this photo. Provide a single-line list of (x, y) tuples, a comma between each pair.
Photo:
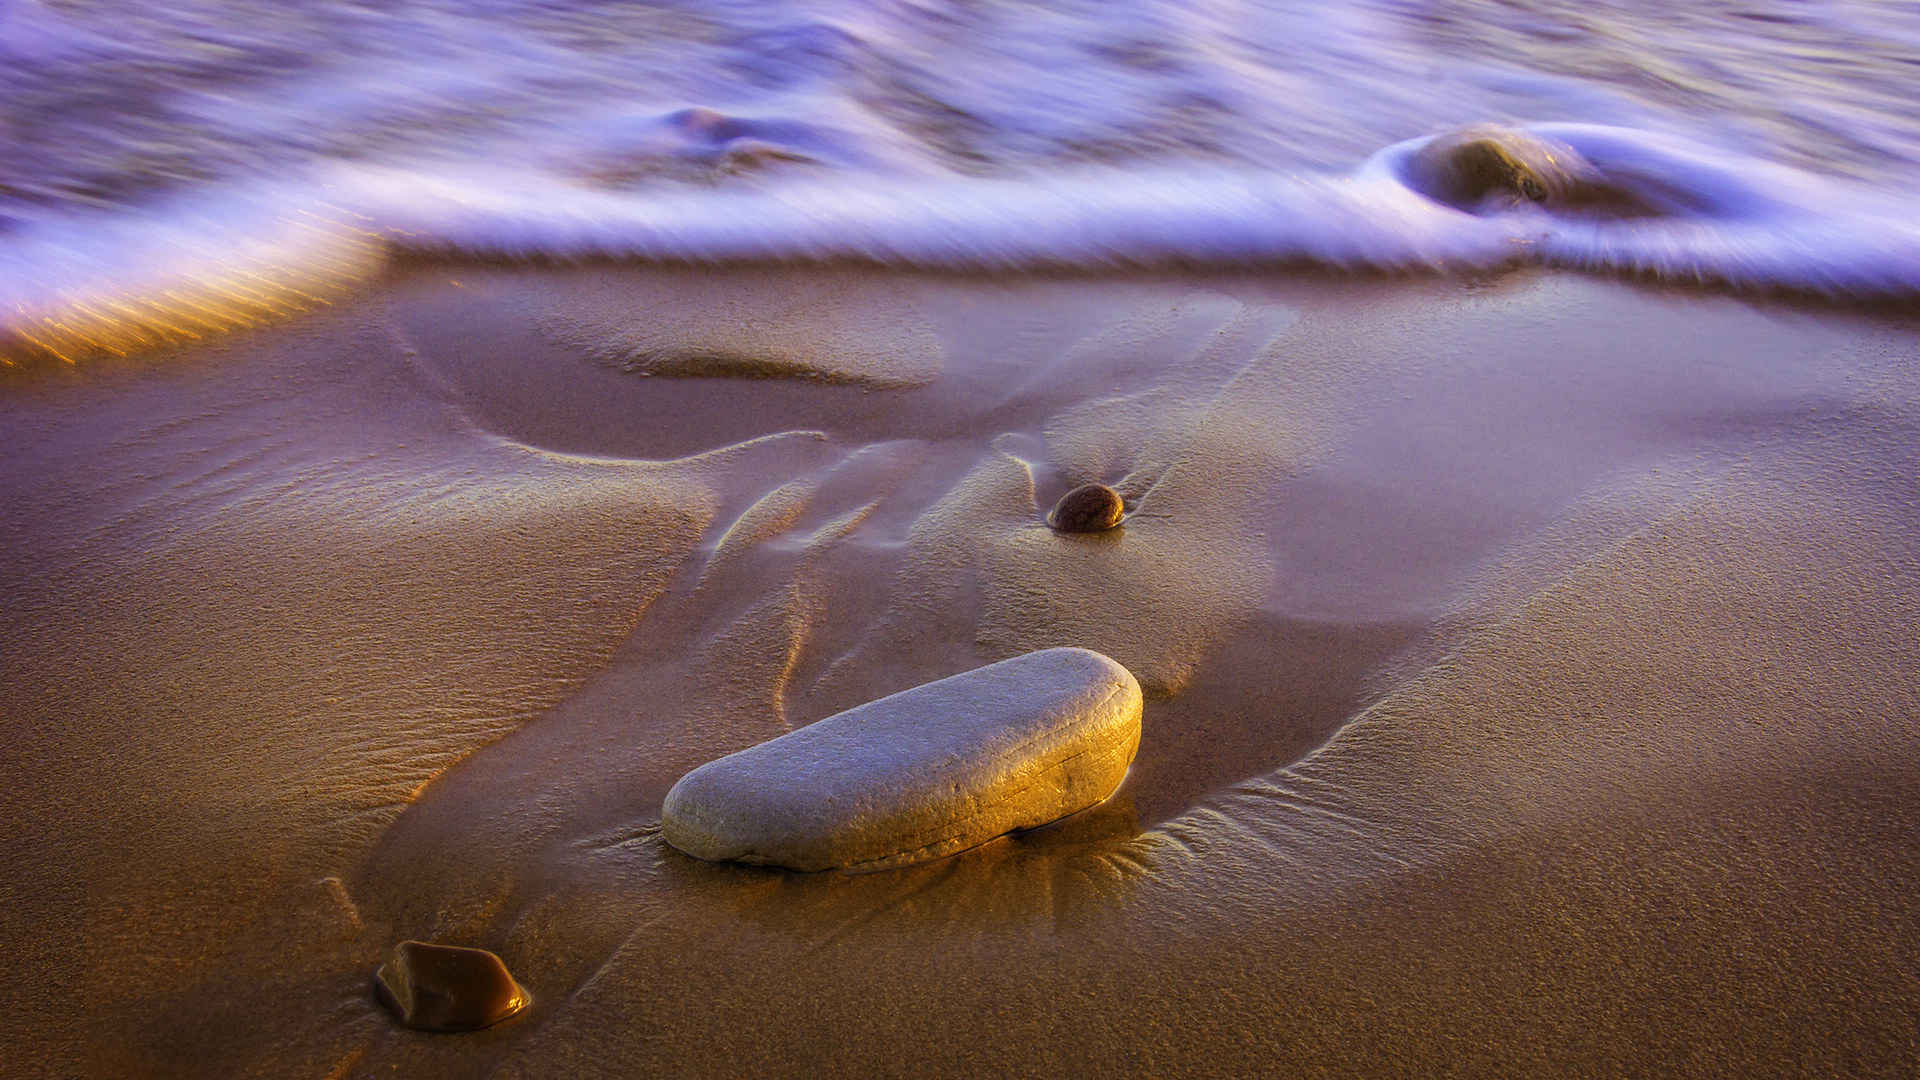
[(1486, 168), (1087, 508), (921, 774), (448, 988), (1469, 168)]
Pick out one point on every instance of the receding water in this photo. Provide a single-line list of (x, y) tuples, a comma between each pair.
[(170, 170)]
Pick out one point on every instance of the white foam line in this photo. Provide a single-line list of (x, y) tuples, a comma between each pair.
[(121, 280)]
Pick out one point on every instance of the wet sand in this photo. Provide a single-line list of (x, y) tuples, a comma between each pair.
[(1530, 670)]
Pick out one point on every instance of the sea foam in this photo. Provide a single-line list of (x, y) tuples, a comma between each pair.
[(117, 281)]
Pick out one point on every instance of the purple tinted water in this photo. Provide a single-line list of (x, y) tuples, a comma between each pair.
[(180, 147)]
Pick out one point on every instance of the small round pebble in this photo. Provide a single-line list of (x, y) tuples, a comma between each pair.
[(1087, 508)]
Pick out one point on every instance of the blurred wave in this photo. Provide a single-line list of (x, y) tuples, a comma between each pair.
[(173, 169)]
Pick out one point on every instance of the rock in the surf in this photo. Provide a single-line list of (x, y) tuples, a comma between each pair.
[(1481, 167), (448, 988), (1087, 508), (1486, 169), (921, 774)]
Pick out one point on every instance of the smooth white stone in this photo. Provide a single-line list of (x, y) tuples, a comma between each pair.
[(921, 774)]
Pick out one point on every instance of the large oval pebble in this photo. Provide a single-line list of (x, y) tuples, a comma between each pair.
[(921, 774)]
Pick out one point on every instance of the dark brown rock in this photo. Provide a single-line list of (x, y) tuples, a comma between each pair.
[(1468, 168), (1485, 169), (448, 988), (1087, 508)]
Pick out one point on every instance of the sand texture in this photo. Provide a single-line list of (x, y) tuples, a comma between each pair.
[(1529, 664)]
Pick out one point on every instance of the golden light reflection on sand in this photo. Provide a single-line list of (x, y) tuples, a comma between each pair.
[(306, 260)]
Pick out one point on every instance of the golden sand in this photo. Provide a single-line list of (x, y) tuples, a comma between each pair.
[(1531, 670)]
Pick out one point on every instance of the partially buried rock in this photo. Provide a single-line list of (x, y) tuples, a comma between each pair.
[(1087, 508), (1487, 167), (448, 988), (922, 774)]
